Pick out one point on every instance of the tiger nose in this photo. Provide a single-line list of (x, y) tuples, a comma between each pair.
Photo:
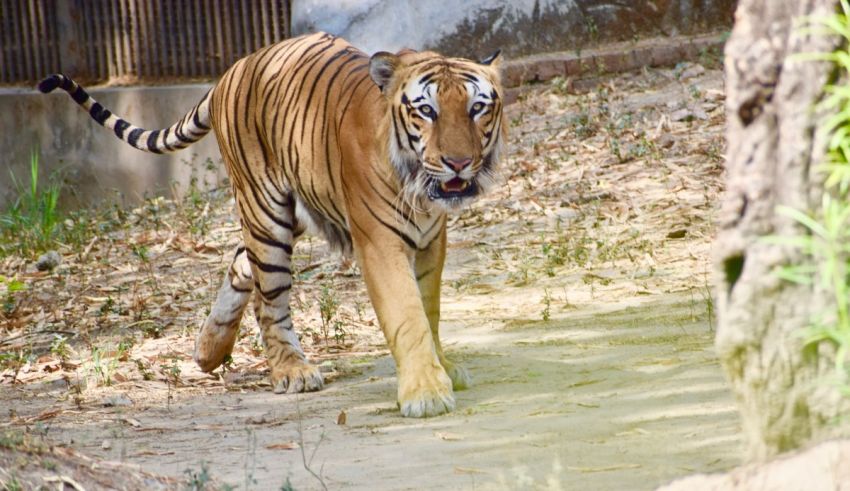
[(458, 164)]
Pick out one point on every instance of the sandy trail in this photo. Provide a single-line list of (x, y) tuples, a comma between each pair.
[(625, 398)]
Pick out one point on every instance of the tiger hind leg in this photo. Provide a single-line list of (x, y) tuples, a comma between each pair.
[(218, 334), (268, 241)]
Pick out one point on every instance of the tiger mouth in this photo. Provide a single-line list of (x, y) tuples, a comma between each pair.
[(452, 189)]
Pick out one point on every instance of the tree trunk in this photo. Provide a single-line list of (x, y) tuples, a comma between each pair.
[(774, 150)]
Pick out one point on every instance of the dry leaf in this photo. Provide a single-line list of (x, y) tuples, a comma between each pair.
[(449, 437), (283, 446)]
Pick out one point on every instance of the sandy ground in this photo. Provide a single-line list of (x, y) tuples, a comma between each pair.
[(577, 295)]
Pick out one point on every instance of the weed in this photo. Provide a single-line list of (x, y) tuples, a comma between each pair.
[(560, 86), (16, 360), (171, 370), (152, 329), (307, 463), (144, 369), (547, 305), (12, 484), (227, 363), (522, 274), (29, 226), (13, 286), (583, 125), (194, 207), (59, 347), (257, 344), (828, 228), (103, 366), (197, 481), (329, 309)]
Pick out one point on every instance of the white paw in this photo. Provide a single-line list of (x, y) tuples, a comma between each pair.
[(423, 395)]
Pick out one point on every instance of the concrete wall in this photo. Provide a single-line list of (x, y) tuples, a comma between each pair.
[(92, 161), (476, 28)]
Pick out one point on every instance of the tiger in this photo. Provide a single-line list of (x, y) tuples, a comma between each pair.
[(371, 152)]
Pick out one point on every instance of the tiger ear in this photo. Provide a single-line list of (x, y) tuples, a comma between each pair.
[(382, 67), (493, 59)]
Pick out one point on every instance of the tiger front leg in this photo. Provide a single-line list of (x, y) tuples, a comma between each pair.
[(429, 271), (424, 388)]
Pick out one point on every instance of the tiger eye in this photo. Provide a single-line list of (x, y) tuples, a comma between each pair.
[(477, 106)]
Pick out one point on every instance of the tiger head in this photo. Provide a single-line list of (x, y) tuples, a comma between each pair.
[(444, 123)]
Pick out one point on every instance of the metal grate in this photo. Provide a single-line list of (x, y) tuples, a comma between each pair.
[(128, 41)]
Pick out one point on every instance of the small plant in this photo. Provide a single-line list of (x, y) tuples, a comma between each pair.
[(828, 227), (59, 348), (329, 309), (198, 480), (547, 305), (153, 330), (144, 369), (29, 226), (16, 360), (171, 370), (227, 363), (102, 366), (13, 286)]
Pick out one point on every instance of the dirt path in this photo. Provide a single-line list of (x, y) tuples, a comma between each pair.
[(625, 398), (576, 294)]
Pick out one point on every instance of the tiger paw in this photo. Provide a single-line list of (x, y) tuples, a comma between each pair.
[(213, 344), (422, 396), (295, 377), (459, 375)]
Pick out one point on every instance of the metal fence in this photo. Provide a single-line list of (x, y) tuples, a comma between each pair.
[(127, 41)]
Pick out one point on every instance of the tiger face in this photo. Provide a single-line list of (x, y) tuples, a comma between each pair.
[(444, 123)]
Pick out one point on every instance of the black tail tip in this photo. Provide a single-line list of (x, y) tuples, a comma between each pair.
[(50, 83)]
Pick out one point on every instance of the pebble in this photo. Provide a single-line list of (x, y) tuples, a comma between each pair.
[(117, 401), (48, 261)]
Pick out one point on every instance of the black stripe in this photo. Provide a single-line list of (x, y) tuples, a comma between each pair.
[(270, 242), (402, 214), (152, 137), (424, 274), (407, 240), (267, 267), (281, 319), (120, 126), (98, 113), (395, 132), (274, 292), (196, 120), (133, 137), (79, 95)]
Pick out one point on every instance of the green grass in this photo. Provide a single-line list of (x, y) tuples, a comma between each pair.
[(29, 225), (827, 228)]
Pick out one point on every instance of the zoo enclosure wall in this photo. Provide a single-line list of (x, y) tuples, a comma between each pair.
[(133, 41)]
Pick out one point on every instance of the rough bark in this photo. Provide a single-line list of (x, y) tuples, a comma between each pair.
[(774, 149)]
